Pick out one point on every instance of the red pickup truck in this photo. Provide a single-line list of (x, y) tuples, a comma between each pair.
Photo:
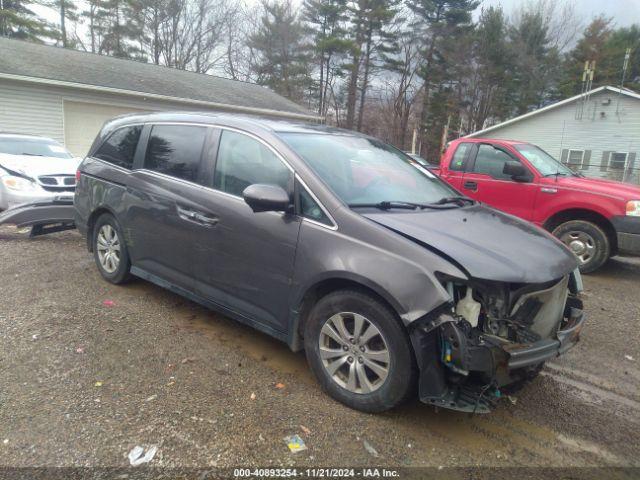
[(595, 218)]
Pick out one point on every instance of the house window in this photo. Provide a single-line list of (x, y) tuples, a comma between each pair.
[(618, 161), (575, 158)]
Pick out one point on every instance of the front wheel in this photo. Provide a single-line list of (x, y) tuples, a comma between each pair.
[(588, 242), (359, 351)]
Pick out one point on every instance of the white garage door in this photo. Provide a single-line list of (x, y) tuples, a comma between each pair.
[(83, 121)]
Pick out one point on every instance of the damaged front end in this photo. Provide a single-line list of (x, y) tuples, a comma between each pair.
[(493, 334), (43, 217)]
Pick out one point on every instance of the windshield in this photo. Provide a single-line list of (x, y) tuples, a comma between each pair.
[(363, 171), (40, 147), (542, 161)]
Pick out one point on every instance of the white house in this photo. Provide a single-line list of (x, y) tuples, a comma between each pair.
[(67, 95), (597, 133)]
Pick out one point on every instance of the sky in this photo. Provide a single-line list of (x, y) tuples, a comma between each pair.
[(624, 12)]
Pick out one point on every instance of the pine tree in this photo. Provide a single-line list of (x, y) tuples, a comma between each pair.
[(326, 24), (18, 20), (439, 23), (283, 61), (371, 20)]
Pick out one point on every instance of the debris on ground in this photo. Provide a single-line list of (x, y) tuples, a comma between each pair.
[(513, 400), (137, 455), (5, 441), (372, 451), (187, 360), (109, 303), (151, 398), (253, 396), (279, 386), (629, 357), (34, 336), (295, 443), (97, 384), (305, 430), (80, 349)]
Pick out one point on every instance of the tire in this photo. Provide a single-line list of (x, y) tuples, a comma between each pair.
[(121, 273), (373, 393), (587, 240)]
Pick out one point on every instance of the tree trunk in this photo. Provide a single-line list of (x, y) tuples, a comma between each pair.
[(352, 91), (365, 78), (63, 27)]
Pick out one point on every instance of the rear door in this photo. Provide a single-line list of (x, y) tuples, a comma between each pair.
[(245, 262), (485, 181), (454, 173), (163, 192)]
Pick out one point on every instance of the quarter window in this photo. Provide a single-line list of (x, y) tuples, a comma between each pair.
[(175, 150), (244, 161), (457, 162), (310, 209), (491, 161), (120, 148)]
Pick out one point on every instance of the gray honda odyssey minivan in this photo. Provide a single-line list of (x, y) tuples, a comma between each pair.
[(336, 243)]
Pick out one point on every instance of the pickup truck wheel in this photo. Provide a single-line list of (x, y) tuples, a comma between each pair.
[(110, 251), (587, 241), (359, 351)]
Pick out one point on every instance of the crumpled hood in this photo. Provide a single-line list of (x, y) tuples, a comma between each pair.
[(33, 166), (488, 244)]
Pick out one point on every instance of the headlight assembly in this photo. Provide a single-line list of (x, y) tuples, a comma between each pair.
[(18, 183)]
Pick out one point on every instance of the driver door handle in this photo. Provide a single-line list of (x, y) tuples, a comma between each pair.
[(469, 185), (196, 217)]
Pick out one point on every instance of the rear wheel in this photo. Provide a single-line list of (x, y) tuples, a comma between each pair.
[(587, 241), (110, 251), (359, 351)]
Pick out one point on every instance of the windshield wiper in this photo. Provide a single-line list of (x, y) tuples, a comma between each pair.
[(458, 200), (389, 204), (32, 154), (556, 174)]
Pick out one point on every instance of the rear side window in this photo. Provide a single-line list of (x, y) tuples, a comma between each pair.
[(120, 147), (243, 161), (457, 162), (175, 150)]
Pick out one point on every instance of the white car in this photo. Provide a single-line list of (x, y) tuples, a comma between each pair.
[(35, 169)]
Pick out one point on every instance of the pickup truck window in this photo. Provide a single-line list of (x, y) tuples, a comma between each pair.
[(491, 161), (544, 163), (457, 162)]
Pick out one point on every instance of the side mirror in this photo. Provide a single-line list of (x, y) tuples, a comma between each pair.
[(516, 171), (266, 198)]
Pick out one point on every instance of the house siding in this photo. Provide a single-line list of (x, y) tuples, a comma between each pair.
[(556, 130), (30, 108)]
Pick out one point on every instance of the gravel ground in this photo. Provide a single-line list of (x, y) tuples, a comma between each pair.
[(82, 383)]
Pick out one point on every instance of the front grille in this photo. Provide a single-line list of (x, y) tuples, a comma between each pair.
[(548, 306), (57, 183), (59, 189)]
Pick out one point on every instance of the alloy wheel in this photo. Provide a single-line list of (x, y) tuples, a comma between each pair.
[(354, 352), (108, 246)]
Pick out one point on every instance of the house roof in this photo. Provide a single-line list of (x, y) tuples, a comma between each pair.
[(72, 68), (622, 91)]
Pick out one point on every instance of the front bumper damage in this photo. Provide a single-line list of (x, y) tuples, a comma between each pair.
[(43, 217), (462, 368)]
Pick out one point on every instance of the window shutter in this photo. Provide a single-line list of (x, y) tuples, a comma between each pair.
[(586, 160), (564, 156), (604, 165)]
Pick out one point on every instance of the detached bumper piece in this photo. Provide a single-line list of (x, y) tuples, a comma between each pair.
[(42, 217), (462, 369)]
